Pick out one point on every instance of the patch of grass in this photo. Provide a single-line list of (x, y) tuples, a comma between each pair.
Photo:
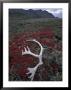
[(20, 25)]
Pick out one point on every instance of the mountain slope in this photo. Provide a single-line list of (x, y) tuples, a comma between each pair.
[(30, 13)]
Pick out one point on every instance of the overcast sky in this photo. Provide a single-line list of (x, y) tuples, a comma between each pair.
[(56, 12)]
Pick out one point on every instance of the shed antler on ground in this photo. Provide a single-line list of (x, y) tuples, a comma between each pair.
[(27, 51)]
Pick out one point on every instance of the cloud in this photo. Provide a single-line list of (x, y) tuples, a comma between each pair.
[(55, 12)]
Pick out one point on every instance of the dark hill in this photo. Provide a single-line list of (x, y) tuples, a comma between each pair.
[(30, 13)]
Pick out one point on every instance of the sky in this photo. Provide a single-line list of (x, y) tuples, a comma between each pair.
[(56, 12)]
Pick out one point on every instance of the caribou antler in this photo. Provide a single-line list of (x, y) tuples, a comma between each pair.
[(27, 51)]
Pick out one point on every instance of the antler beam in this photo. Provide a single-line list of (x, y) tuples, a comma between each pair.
[(27, 51)]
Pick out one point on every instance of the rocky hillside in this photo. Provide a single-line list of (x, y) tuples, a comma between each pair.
[(30, 13)]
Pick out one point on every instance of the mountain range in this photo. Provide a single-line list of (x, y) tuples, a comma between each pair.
[(30, 13)]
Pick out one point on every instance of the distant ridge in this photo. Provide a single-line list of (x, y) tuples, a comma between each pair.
[(30, 13)]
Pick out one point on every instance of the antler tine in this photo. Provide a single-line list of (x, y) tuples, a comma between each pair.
[(29, 52), (28, 48), (41, 51), (25, 49)]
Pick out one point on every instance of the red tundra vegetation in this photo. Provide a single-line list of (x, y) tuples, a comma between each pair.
[(20, 63)]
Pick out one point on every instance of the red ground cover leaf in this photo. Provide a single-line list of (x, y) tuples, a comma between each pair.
[(19, 42)]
